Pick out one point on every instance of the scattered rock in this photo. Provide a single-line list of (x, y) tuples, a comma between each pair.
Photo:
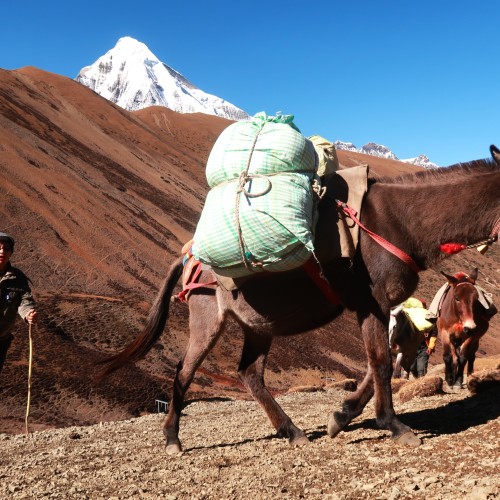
[(348, 384), (232, 451), (397, 383), (422, 387), (483, 381)]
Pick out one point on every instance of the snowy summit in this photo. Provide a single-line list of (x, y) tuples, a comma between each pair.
[(132, 77), (374, 149)]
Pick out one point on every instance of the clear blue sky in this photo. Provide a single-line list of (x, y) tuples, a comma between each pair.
[(417, 77)]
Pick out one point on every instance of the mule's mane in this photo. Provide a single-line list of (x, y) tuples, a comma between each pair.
[(444, 174)]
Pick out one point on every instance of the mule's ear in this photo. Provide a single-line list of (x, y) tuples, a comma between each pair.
[(451, 279), (495, 153), (473, 274)]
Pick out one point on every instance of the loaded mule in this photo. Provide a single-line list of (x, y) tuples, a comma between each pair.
[(288, 303)]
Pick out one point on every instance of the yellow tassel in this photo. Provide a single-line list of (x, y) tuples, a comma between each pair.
[(482, 249)]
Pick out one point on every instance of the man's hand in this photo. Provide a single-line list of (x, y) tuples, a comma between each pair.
[(30, 317), (430, 350)]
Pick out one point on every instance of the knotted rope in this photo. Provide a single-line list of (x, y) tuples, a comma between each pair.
[(242, 181)]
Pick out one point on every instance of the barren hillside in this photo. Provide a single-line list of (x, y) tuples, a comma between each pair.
[(100, 202)]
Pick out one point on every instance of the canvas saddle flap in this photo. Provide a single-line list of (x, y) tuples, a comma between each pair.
[(484, 298)]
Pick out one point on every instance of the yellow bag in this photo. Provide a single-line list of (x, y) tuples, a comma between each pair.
[(416, 311)]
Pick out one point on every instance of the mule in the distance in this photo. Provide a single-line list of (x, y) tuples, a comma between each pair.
[(462, 320)]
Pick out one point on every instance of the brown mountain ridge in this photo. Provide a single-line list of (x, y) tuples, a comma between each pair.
[(100, 201)]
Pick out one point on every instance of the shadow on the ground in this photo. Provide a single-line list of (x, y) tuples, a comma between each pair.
[(207, 400), (452, 418), (456, 416)]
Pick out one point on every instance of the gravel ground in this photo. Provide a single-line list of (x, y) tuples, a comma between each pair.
[(231, 452)]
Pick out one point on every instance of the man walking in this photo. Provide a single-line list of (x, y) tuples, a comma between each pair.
[(15, 296)]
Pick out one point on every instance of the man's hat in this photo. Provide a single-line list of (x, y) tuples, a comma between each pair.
[(7, 238)]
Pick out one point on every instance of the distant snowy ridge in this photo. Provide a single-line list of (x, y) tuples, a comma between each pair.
[(384, 152), (132, 77)]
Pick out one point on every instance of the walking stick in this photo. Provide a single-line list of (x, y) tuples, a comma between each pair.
[(30, 362)]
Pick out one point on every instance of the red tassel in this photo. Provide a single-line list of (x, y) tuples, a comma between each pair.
[(452, 248)]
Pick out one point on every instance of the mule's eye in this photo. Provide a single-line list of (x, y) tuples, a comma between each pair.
[(457, 299)]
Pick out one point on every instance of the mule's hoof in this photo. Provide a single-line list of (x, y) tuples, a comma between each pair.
[(173, 449), (333, 428), (299, 441), (449, 389), (408, 439)]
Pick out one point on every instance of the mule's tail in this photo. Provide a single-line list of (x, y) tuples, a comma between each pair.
[(153, 328)]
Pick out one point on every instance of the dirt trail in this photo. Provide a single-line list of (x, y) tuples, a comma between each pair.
[(231, 453)]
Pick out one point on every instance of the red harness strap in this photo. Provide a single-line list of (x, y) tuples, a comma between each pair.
[(191, 274), (314, 271), (351, 213)]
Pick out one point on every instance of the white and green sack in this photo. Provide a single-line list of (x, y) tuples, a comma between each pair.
[(259, 214)]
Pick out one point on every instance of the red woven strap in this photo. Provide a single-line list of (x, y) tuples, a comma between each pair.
[(351, 213), (314, 271), (191, 274)]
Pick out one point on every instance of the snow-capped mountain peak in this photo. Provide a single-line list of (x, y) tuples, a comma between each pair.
[(132, 77), (422, 161), (346, 146), (374, 149), (378, 150)]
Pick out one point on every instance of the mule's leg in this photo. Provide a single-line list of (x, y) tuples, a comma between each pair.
[(251, 372), (397, 366), (467, 357), (379, 360), (352, 406), (449, 370), (379, 370), (205, 327), (460, 366), (470, 364)]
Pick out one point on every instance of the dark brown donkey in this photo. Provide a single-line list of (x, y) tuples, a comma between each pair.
[(462, 321), (416, 213)]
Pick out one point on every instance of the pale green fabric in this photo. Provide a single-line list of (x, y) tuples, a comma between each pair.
[(268, 144), (276, 210)]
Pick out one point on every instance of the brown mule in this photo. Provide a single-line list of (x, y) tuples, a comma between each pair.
[(462, 321), (417, 213)]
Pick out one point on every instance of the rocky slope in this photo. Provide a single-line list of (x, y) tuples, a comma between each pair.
[(231, 452)]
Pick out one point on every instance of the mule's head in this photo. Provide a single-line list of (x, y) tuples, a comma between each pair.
[(462, 277), (465, 295)]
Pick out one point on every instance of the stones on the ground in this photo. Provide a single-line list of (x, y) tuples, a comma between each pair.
[(422, 387), (483, 381)]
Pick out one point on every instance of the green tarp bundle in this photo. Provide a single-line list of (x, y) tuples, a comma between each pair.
[(259, 214)]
